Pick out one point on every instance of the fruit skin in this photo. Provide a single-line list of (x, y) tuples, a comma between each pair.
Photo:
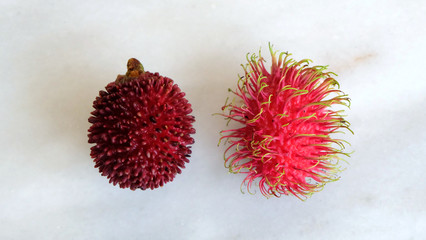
[(141, 129), (286, 122)]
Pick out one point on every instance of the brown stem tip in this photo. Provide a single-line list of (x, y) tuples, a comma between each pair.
[(134, 70)]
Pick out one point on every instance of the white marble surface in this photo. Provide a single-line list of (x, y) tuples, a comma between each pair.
[(56, 56)]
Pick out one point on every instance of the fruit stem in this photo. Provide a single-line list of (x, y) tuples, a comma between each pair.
[(134, 70)]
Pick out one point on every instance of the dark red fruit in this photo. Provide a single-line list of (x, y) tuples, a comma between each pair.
[(141, 129)]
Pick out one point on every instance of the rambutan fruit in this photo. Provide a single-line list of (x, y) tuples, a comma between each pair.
[(284, 142), (141, 129)]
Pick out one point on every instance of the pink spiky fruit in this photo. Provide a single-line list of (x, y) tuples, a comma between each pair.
[(287, 122)]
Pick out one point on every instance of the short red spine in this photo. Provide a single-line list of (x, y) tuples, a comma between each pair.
[(141, 129)]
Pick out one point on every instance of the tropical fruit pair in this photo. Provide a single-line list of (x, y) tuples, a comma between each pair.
[(142, 127)]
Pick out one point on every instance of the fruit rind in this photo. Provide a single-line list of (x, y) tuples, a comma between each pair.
[(141, 129), (285, 141)]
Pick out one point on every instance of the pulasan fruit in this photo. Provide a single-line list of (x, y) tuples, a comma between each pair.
[(285, 120), (141, 129)]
